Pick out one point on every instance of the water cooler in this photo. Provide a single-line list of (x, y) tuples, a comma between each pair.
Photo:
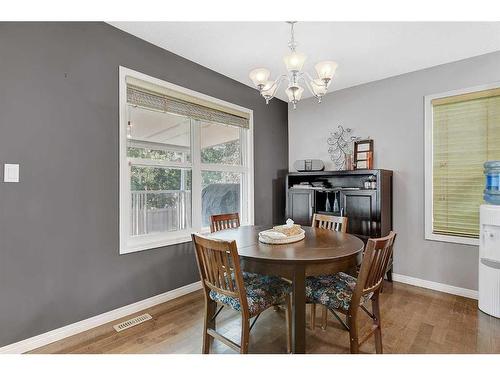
[(489, 260)]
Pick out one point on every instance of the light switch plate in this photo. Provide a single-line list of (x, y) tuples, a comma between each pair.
[(11, 173)]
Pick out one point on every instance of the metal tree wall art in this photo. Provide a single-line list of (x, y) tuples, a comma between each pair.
[(341, 144)]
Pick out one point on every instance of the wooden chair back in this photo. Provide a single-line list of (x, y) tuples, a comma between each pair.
[(219, 267), (334, 223), (378, 253), (224, 221)]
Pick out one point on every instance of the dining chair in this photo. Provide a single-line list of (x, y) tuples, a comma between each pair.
[(225, 284), (337, 224), (347, 295), (224, 221)]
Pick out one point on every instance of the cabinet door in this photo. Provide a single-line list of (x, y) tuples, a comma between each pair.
[(360, 208), (301, 206)]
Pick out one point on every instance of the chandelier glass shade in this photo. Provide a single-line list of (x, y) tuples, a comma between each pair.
[(294, 62)]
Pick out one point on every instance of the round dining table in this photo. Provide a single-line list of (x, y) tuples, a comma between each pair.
[(321, 252)]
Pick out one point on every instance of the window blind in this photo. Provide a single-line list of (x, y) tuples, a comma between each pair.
[(184, 105), (466, 133)]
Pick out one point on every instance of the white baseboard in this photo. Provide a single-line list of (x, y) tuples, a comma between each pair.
[(469, 293), (84, 325)]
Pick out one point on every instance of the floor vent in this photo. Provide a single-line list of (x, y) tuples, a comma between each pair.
[(132, 322)]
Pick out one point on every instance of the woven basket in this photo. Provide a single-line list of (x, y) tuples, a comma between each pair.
[(281, 241)]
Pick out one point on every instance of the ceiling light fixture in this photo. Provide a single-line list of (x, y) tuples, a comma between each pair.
[(294, 62)]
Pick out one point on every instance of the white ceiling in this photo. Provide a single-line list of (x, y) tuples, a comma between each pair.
[(365, 51)]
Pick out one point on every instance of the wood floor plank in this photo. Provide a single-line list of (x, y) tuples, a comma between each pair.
[(414, 320)]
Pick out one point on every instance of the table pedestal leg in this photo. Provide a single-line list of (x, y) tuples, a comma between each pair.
[(299, 311)]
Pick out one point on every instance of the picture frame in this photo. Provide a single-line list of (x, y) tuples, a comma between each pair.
[(363, 154)]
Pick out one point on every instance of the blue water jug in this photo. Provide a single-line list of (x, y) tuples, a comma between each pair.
[(492, 188)]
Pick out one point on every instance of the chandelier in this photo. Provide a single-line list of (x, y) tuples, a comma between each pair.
[(294, 62)]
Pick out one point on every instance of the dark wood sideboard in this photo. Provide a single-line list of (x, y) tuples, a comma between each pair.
[(369, 211)]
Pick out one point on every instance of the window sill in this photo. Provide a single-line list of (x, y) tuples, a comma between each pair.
[(154, 242), (452, 239), (150, 242)]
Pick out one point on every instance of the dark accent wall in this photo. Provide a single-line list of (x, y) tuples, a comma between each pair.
[(59, 257)]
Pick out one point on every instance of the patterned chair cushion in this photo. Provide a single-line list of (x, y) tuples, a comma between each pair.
[(333, 291), (262, 292)]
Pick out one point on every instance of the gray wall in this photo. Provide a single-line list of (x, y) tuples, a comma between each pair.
[(59, 259), (391, 111)]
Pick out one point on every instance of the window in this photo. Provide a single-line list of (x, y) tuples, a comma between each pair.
[(183, 157), (462, 132)]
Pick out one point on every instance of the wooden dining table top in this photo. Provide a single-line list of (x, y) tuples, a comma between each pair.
[(319, 245)]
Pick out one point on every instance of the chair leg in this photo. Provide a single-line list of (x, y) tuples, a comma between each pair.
[(210, 307), (324, 317), (376, 321), (288, 324), (313, 316), (389, 274), (245, 335), (353, 334)]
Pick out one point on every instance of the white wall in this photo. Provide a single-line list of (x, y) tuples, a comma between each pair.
[(391, 112)]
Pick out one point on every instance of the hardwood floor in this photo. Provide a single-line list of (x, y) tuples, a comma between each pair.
[(414, 320)]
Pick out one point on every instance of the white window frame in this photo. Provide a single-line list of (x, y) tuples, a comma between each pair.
[(129, 244), (429, 235)]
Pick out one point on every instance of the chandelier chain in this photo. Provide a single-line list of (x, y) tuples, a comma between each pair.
[(292, 44)]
